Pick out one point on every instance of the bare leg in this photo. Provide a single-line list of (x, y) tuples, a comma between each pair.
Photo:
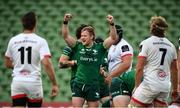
[(121, 101), (93, 104), (77, 102)]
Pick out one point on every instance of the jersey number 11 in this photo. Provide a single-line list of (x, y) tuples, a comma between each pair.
[(22, 50)]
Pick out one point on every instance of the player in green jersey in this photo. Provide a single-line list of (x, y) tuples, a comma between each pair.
[(68, 57), (89, 57)]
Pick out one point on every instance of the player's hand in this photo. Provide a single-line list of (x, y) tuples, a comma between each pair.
[(54, 91), (103, 72), (110, 19), (67, 17), (108, 79)]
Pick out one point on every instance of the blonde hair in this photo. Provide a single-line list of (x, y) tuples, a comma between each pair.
[(90, 29), (158, 26)]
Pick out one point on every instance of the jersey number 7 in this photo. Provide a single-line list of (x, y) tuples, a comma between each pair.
[(163, 55)]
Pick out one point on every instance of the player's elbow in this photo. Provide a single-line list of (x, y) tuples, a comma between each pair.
[(46, 61), (127, 66), (8, 63)]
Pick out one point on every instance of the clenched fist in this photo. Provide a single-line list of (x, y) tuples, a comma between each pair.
[(67, 17), (110, 19)]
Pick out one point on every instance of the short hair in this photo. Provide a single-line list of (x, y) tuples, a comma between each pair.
[(158, 26), (90, 29), (78, 30), (119, 31), (29, 21)]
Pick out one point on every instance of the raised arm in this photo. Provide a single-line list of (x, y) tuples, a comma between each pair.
[(112, 34), (65, 31)]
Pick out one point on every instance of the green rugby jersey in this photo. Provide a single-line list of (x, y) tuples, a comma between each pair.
[(89, 61), (72, 56)]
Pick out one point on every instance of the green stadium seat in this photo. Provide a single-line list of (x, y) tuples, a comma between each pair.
[(168, 3), (152, 3), (75, 3), (59, 3), (106, 3), (121, 3), (136, 3), (89, 3)]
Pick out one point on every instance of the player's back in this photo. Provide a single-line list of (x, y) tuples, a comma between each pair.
[(160, 53), (26, 50)]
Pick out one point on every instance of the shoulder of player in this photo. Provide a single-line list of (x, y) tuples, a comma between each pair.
[(123, 43), (67, 48)]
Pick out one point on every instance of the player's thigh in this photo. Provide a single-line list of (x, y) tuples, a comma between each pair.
[(121, 101), (78, 101), (93, 104)]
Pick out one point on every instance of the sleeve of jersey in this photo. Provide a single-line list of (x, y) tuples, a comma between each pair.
[(44, 50), (8, 51), (126, 50), (67, 51), (143, 50)]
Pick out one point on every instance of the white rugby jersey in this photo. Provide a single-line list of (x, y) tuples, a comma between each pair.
[(26, 51), (116, 52), (160, 53)]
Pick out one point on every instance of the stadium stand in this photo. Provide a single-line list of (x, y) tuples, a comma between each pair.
[(134, 16)]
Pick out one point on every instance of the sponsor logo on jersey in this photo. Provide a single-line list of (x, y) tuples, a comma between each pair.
[(97, 95), (125, 48), (95, 52), (82, 51), (88, 59), (162, 75), (158, 43)]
